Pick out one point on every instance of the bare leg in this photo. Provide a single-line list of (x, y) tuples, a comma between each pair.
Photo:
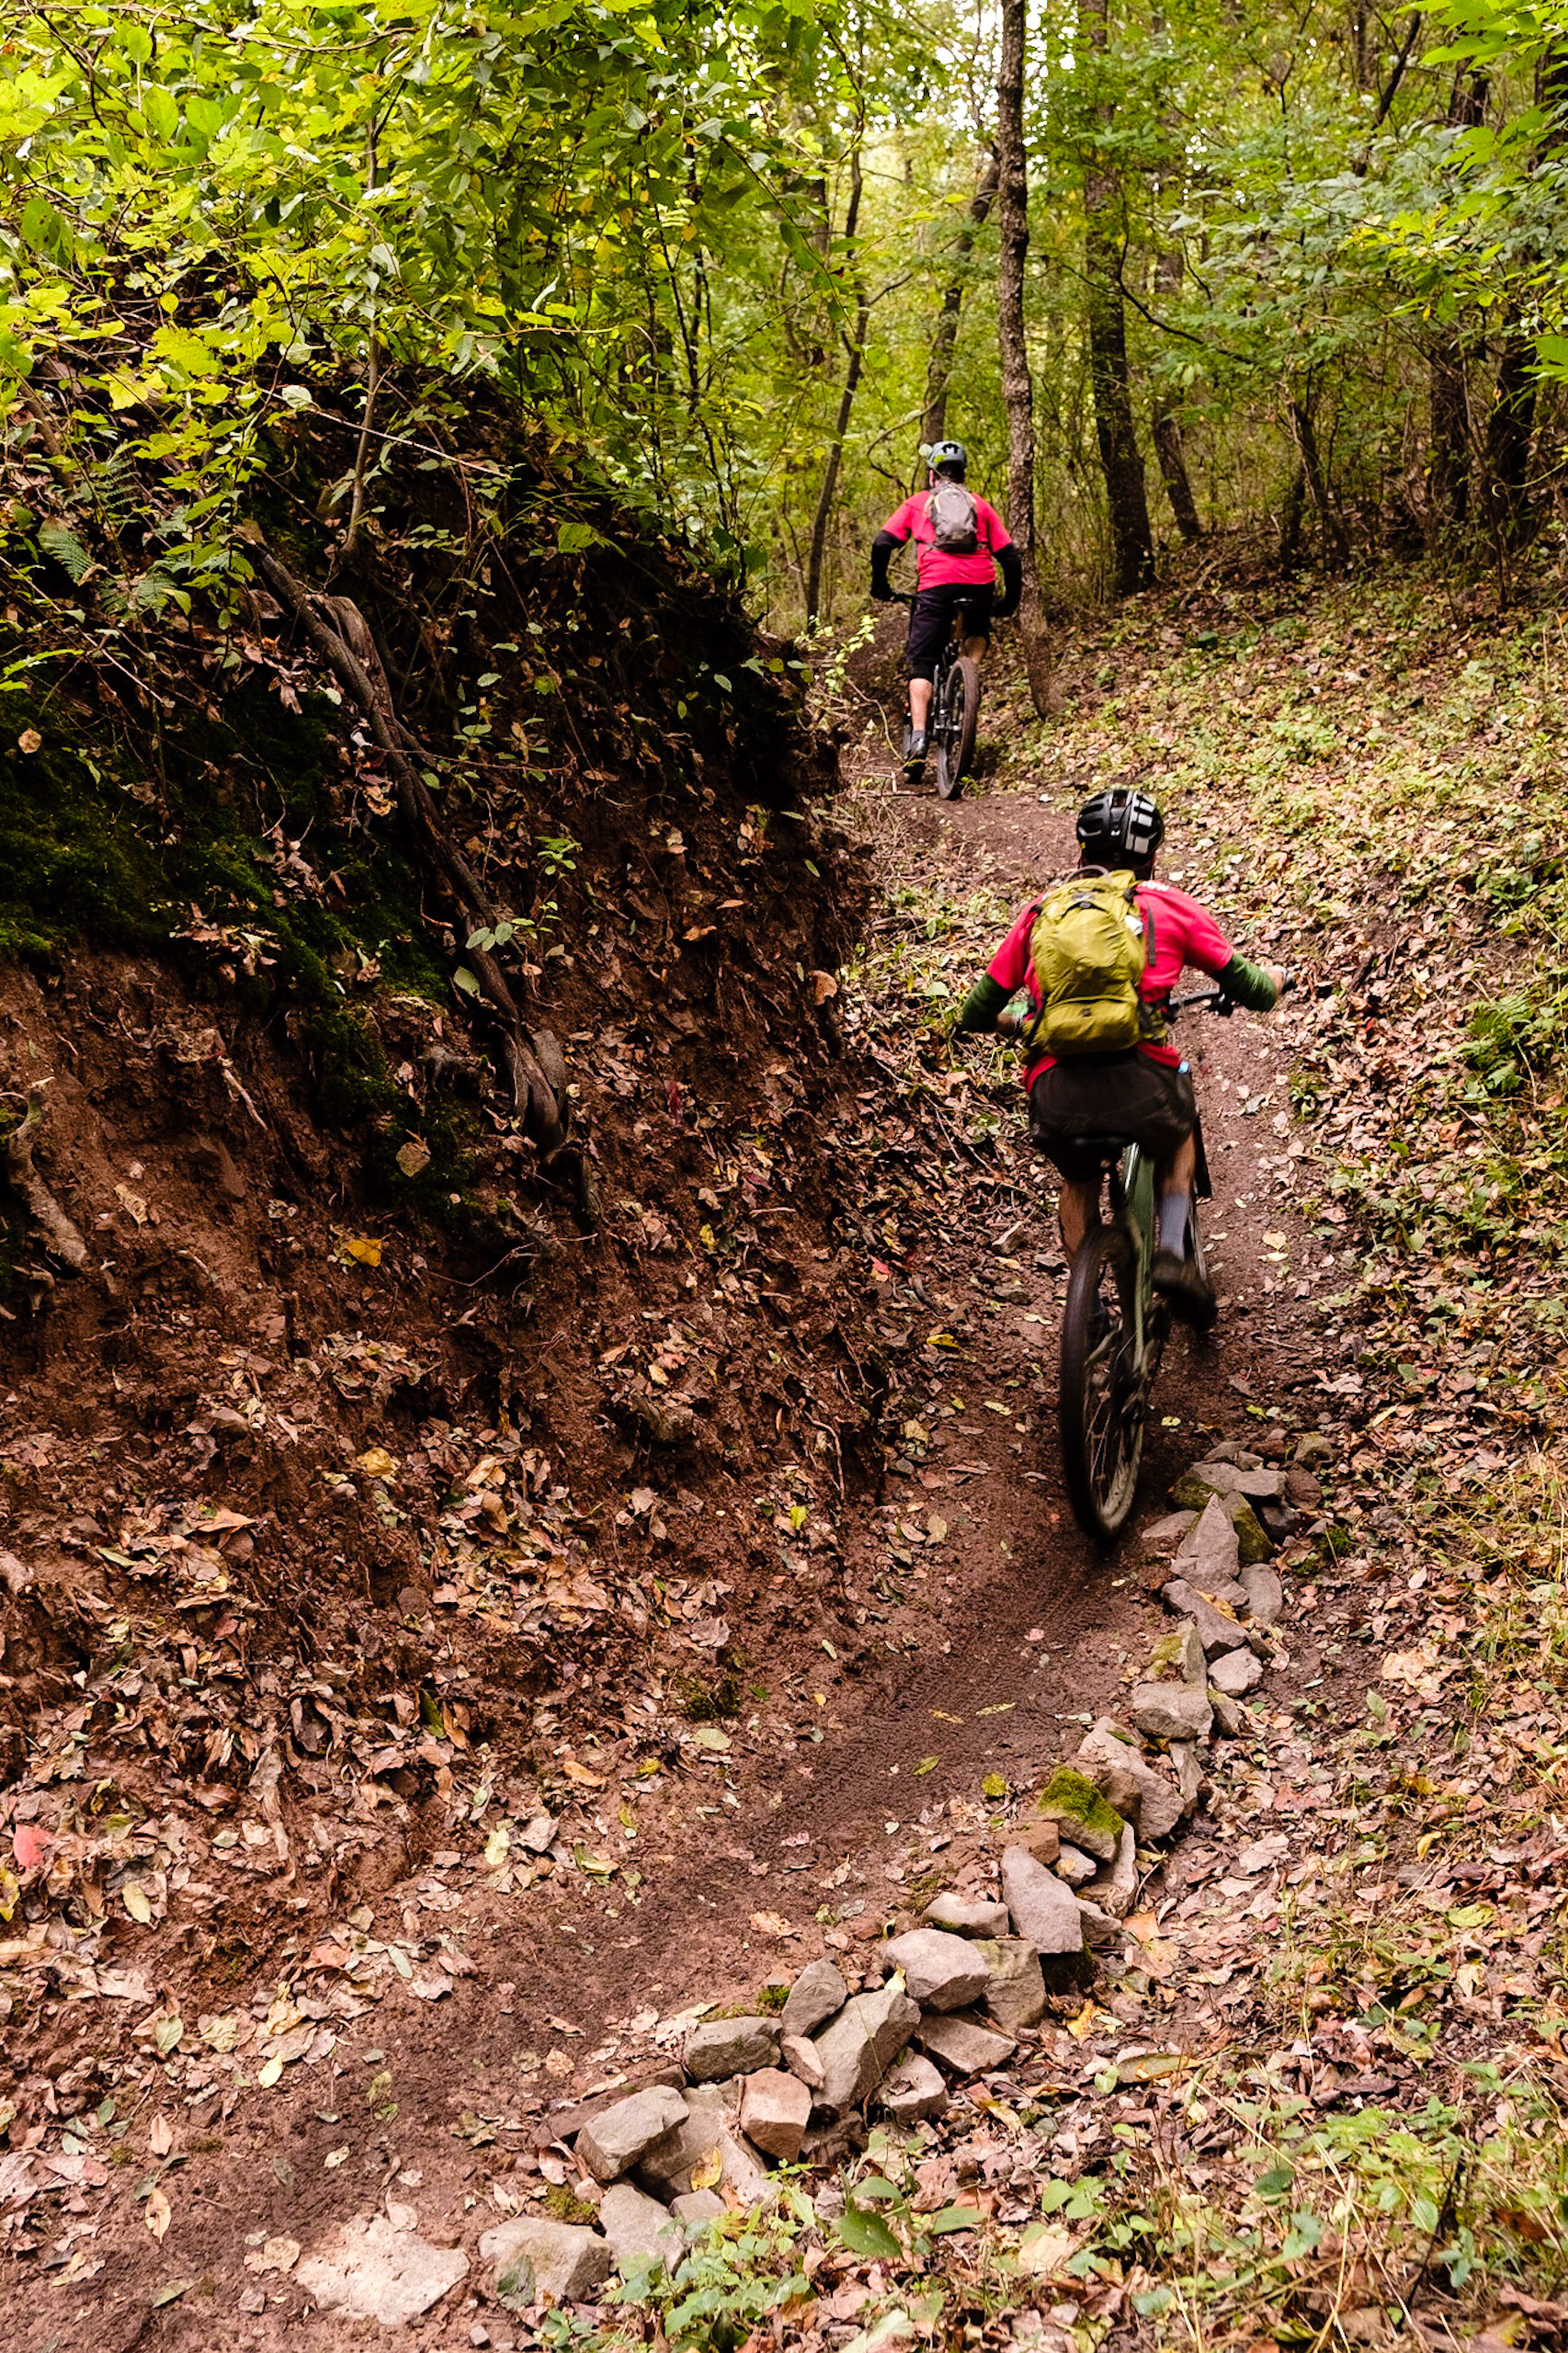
[(1078, 1207), (1175, 1180), (975, 647), (920, 704)]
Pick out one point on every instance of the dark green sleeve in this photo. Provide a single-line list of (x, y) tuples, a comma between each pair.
[(1249, 986), (980, 1006)]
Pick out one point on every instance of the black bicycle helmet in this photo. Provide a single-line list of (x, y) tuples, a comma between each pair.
[(948, 457), (1120, 828)]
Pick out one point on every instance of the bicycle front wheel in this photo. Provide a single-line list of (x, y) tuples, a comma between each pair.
[(956, 726), (1101, 1401)]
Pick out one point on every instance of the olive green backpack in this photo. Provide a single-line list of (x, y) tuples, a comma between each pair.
[(1087, 953)]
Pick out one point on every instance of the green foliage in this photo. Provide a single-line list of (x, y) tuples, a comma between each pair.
[(731, 2278)]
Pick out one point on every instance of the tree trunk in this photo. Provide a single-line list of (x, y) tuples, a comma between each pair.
[(1447, 474), (1121, 462), (1334, 531), (1017, 388), (857, 358), (944, 342), (1510, 431), (1166, 428)]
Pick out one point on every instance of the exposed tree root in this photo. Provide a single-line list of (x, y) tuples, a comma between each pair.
[(341, 635), (62, 1240)]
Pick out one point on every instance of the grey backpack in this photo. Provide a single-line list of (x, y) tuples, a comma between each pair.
[(954, 518)]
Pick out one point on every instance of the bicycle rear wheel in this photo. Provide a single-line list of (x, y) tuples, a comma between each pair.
[(1100, 1405), (956, 724)]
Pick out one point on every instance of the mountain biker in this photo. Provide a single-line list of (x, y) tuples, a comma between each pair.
[(957, 541), (1144, 1093)]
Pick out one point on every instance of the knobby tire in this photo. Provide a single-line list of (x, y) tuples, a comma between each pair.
[(1099, 1404), (956, 722)]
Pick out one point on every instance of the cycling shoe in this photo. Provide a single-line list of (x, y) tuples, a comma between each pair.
[(1189, 1294)]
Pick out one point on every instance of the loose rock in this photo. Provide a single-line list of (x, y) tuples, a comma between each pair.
[(721, 2047), (1236, 1674), (635, 2225), (1227, 1715), (968, 1915), (538, 2261), (860, 2044), (1171, 1711), (614, 2141), (775, 2111), (1161, 1533), (964, 2045), (912, 2090), (1045, 1912), (1266, 1595), (1178, 1657), (709, 2131), (1215, 1630), (817, 1992), (699, 2206), (367, 2270), (1115, 1889), (1211, 1550), (1015, 1983), (1041, 1839), (941, 1971), (799, 2055), (1080, 1812), (1097, 1929), (1074, 1866), (1119, 1784), (1235, 1478), (1189, 1776), (1105, 1749), (1254, 1540)]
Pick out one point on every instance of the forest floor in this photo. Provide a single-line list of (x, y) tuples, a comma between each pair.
[(1313, 2097)]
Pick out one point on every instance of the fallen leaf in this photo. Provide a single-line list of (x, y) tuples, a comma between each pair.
[(376, 1462), (157, 2213), (366, 1249)]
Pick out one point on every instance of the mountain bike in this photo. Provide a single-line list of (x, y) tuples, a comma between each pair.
[(1114, 1326), (955, 705)]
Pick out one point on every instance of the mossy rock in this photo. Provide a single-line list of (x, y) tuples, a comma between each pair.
[(564, 2205), (1165, 1661), (1086, 1818), (1191, 1493), (1251, 1535)]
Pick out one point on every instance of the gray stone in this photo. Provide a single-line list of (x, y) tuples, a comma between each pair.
[(1044, 1910), (817, 1992), (635, 2225), (1115, 1889), (775, 2111), (1098, 1929), (964, 2045), (1171, 1711), (1315, 1446), (538, 2261), (710, 2125), (617, 2138), (968, 1915), (1266, 1595), (1227, 1714), (1079, 1811), (1302, 1489), (1189, 1779), (1015, 1984), (1074, 1866), (799, 2055), (368, 2271), (860, 2044), (940, 1972), (1104, 1748), (721, 2047), (1236, 1479), (1177, 1657), (1210, 1549), (1235, 1674), (1119, 1784), (1161, 1533), (699, 2206), (1216, 1631), (912, 2090)]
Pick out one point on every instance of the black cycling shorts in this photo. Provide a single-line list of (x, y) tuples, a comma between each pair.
[(1129, 1095), (931, 623)]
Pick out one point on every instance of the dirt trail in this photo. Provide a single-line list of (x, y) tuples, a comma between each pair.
[(1028, 1627)]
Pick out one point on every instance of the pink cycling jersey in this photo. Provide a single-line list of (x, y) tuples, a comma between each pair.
[(1178, 933), (933, 568)]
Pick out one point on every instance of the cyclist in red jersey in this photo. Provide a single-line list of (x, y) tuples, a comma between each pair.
[(960, 539), (1145, 1093)]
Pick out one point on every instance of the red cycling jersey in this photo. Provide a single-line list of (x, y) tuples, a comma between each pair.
[(933, 568), (1177, 932)]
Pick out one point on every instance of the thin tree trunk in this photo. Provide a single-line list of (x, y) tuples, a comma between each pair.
[(1334, 529), (1448, 476), (857, 358), (1165, 427), (944, 342), (1017, 387), (1133, 546), (1290, 520)]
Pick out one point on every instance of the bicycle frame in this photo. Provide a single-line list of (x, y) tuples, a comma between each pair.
[(1134, 1209)]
